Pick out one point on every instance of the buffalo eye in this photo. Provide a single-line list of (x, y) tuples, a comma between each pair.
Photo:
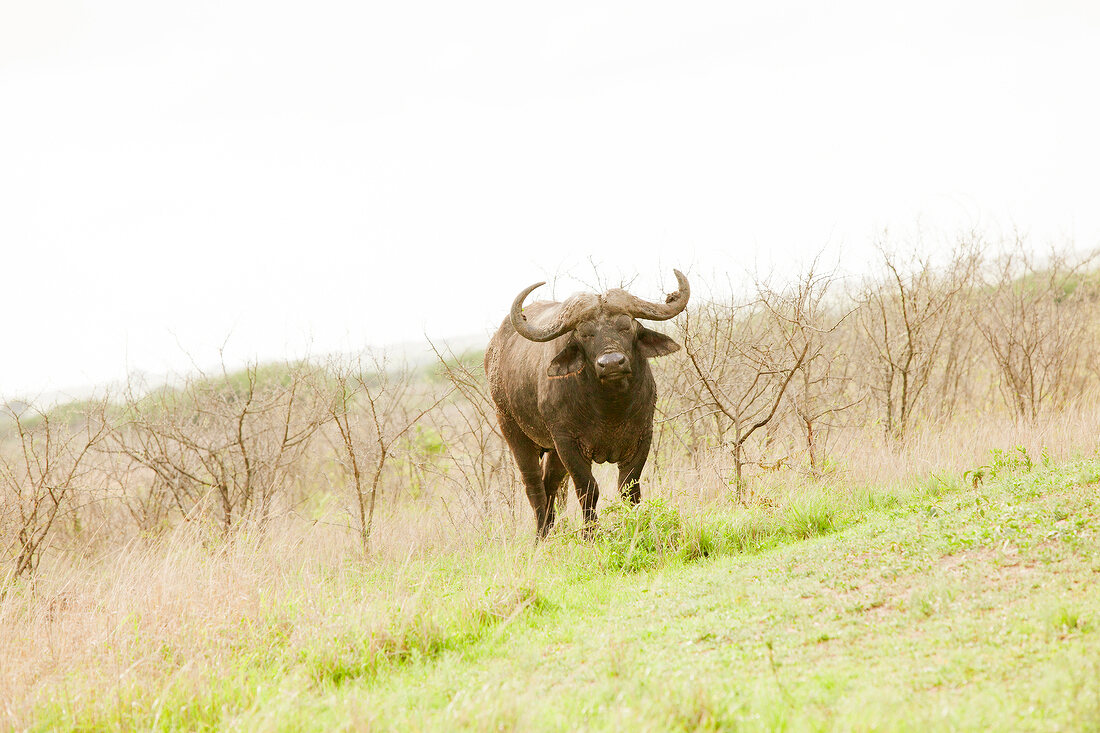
[(586, 333), (624, 323)]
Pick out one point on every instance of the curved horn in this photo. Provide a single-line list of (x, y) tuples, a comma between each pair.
[(533, 333), (673, 305)]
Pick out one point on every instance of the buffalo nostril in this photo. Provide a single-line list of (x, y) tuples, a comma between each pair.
[(615, 359)]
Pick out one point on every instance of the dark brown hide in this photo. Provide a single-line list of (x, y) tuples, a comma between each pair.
[(586, 395)]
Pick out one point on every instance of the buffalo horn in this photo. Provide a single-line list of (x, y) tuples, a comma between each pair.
[(673, 305), (524, 328)]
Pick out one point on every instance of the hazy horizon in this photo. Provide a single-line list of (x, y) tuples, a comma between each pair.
[(283, 180)]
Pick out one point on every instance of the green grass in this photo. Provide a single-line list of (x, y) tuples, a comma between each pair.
[(950, 605)]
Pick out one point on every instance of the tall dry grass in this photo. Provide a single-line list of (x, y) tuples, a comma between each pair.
[(181, 608)]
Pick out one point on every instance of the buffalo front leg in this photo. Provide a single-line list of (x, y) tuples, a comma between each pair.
[(553, 475), (527, 454), (579, 467), (630, 473)]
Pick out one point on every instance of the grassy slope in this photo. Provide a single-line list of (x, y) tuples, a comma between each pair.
[(974, 609), (977, 611)]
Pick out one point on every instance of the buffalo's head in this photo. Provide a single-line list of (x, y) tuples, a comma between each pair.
[(603, 331)]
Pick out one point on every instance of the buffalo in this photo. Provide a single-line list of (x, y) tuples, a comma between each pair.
[(572, 386)]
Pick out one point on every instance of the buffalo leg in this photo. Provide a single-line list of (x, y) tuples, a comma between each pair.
[(580, 470), (630, 473), (553, 474), (527, 455)]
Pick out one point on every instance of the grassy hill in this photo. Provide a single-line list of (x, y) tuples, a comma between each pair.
[(347, 544), (948, 604)]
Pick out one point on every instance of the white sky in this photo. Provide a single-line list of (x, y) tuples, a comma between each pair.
[(324, 176)]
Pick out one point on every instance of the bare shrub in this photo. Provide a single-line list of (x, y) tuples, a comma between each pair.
[(1037, 317), (823, 387), (43, 472), (372, 410), (225, 445), (910, 316), (745, 357), (477, 462)]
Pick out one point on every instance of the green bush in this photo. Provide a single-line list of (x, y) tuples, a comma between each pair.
[(634, 538)]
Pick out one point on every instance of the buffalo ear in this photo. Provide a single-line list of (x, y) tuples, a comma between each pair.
[(569, 360), (652, 343)]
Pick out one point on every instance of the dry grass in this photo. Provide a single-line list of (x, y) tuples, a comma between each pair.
[(190, 607), (186, 606)]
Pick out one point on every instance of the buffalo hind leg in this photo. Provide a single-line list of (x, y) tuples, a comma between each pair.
[(553, 475), (630, 474), (580, 470), (527, 455)]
